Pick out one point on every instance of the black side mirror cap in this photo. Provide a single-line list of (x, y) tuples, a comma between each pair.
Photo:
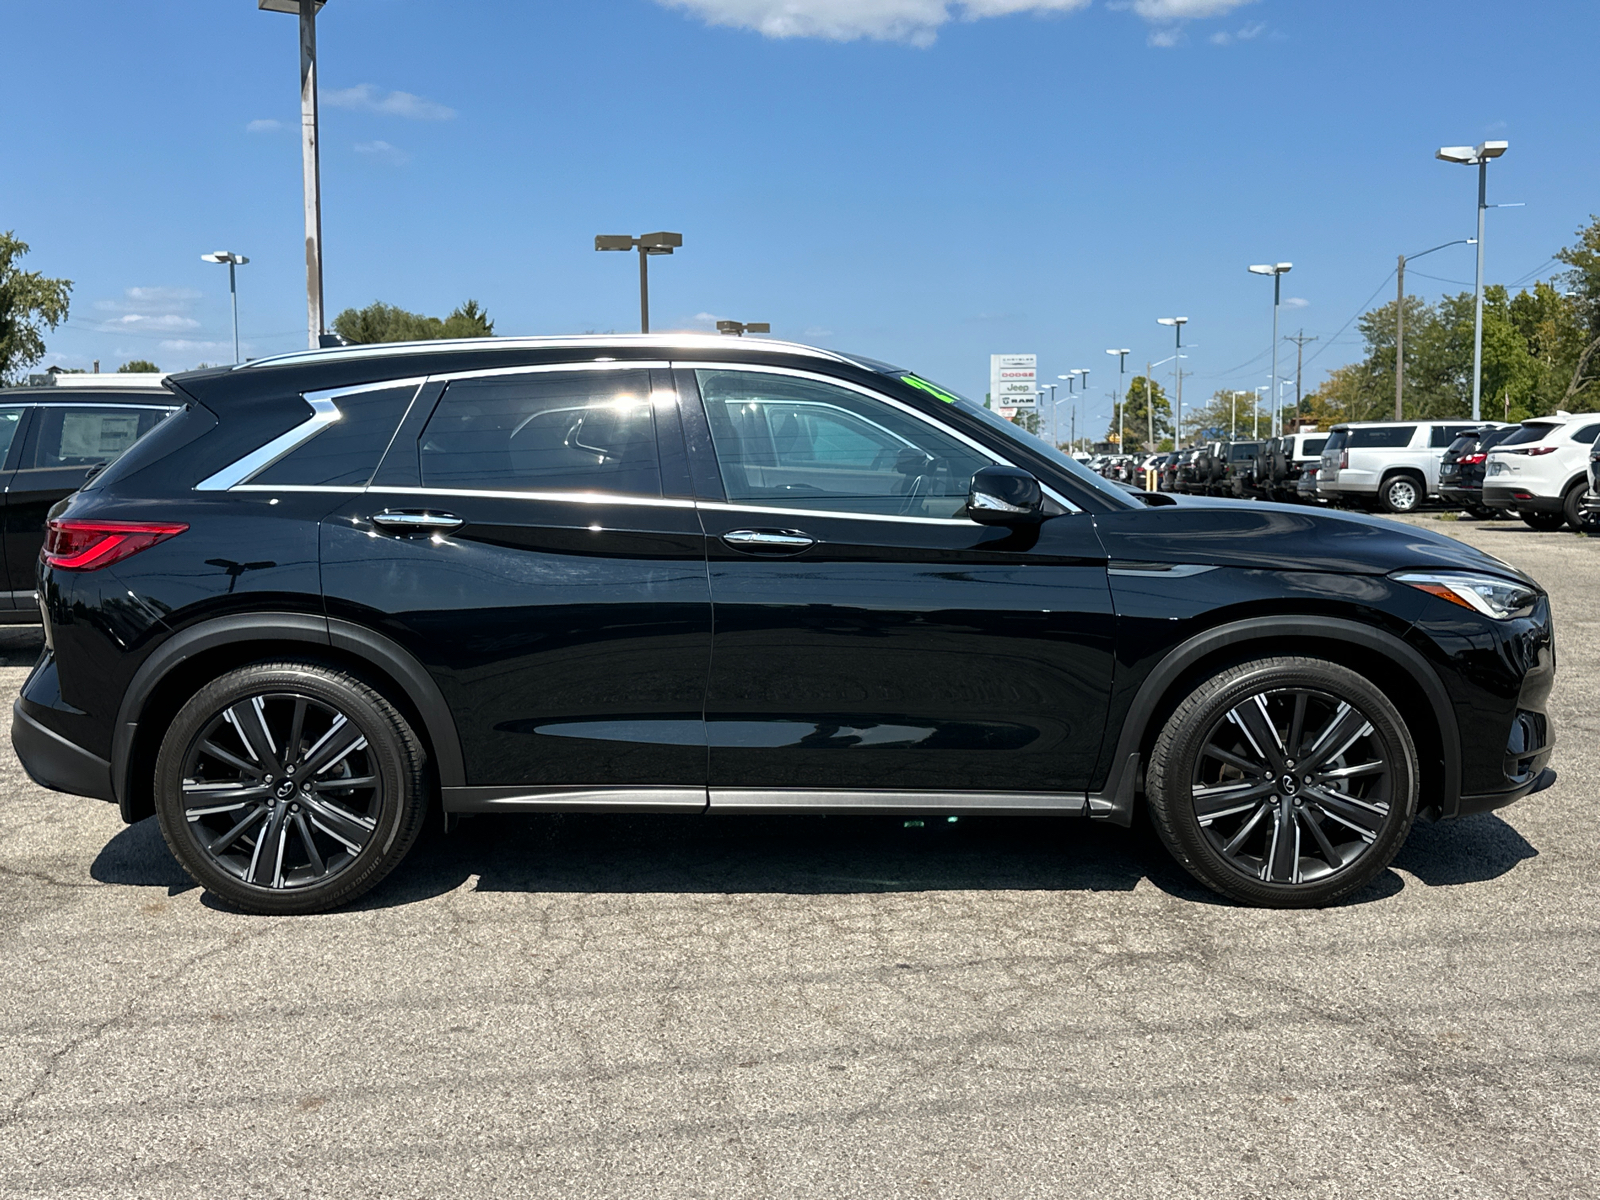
[(1005, 496)]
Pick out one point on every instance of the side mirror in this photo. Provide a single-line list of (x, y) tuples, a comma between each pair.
[(1005, 496)]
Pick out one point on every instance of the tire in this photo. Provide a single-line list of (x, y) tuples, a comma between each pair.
[(223, 787), (1544, 522), (1572, 510), (1402, 494), (1220, 801)]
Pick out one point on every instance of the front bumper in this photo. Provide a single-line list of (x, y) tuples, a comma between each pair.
[(1493, 800), (52, 761), (1519, 499)]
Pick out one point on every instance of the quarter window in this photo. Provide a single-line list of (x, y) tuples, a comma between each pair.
[(1586, 434), (345, 453), (10, 422), (586, 431), (796, 443), (1390, 437)]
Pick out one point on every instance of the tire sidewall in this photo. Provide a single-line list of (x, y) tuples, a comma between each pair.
[(1179, 745), (365, 708), (1394, 482)]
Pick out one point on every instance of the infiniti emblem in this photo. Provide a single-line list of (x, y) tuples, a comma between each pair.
[(1289, 784)]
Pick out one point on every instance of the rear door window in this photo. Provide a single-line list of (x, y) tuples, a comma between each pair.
[(1386, 437), (580, 430), (70, 436), (10, 422)]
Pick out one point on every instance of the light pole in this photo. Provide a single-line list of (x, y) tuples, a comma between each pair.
[(310, 159), (1277, 271), (1052, 388), (1072, 378), (647, 245), (1177, 324), (739, 329), (1122, 400), (1477, 156), (1400, 324), (233, 260), (1255, 407)]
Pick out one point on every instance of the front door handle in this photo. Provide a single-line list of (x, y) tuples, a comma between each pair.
[(769, 541), (417, 521)]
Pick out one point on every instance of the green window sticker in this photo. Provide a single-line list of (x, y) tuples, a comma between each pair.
[(931, 389)]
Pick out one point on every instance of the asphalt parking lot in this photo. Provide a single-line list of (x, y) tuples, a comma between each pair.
[(817, 1007)]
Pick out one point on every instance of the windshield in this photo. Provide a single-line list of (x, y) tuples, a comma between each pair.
[(1019, 435)]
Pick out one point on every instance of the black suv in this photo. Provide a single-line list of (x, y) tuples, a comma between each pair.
[(51, 440), (697, 575), (1462, 469)]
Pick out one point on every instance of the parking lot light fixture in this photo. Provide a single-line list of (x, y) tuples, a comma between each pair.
[(1177, 324), (234, 261), (1477, 156), (1122, 367), (647, 245), (740, 328), (310, 154), (1277, 271)]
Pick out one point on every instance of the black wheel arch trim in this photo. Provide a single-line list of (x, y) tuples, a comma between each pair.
[(306, 629), (1114, 802)]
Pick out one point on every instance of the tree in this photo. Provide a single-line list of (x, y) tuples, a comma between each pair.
[(138, 366), (1136, 414), (1583, 280), (380, 322), (28, 303)]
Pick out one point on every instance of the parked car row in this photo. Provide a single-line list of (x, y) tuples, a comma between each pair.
[(1542, 470)]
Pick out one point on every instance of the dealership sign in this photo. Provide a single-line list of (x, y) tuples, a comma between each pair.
[(1014, 381)]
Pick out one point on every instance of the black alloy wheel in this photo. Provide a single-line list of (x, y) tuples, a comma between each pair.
[(1286, 782), (288, 788), (1572, 510)]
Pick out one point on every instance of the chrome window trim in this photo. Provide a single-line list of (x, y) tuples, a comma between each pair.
[(851, 386), (723, 506), (323, 413), (552, 497), (599, 342), (552, 368), (328, 488)]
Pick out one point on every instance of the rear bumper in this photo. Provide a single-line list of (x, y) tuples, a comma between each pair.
[(52, 761), (1499, 495)]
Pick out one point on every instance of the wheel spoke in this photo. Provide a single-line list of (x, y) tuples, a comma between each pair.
[(1349, 772), (233, 760), (1253, 769), (1297, 725), (1238, 839), (1347, 725), (220, 845), (250, 723), (341, 740), (1323, 844), (266, 860), (342, 785), (1282, 856), (1365, 819), (1221, 800), (204, 799), (297, 725), (1251, 718), (345, 827), (303, 829)]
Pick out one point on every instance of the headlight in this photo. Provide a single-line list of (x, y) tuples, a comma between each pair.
[(1487, 594)]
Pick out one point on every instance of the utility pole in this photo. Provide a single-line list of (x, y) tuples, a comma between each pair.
[(1300, 362), (1178, 428), (1149, 405)]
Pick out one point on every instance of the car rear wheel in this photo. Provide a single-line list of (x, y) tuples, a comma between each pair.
[(1544, 522), (289, 787), (1284, 782), (1401, 494), (1572, 510)]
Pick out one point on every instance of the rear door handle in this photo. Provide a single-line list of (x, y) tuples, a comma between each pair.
[(769, 541), (417, 521)]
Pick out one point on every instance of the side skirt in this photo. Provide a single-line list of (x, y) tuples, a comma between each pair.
[(753, 800)]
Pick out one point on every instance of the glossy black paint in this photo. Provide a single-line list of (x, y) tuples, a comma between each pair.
[(623, 642)]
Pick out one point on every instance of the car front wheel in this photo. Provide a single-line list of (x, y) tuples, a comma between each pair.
[(1284, 782), (289, 787), (1401, 494)]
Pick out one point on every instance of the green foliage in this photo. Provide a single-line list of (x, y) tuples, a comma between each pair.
[(1227, 410), (1136, 418), (138, 366), (380, 322), (28, 303), (1541, 351)]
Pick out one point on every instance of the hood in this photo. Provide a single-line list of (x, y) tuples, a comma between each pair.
[(1285, 537)]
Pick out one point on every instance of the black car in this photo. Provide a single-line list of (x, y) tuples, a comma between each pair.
[(51, 440), (1462, 469), (680, 574)]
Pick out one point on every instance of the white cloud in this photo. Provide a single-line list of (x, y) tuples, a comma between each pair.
[(914, 21), (1184, 10), (368, 98), (1165, 38), (383, 152), (1250, 32), (1296, 302), (707, 318), (169, 321), (264, 125)]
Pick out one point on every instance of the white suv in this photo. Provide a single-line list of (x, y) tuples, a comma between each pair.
[(1391, 464), (1540, 472)]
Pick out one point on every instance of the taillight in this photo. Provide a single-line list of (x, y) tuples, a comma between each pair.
[(1535, 451), (72, 545), (1344, 461), (1472, 459)]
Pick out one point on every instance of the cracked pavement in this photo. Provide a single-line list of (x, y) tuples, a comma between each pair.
[(647, 1006)]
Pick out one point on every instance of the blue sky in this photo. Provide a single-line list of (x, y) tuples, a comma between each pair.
[(925, 181)]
